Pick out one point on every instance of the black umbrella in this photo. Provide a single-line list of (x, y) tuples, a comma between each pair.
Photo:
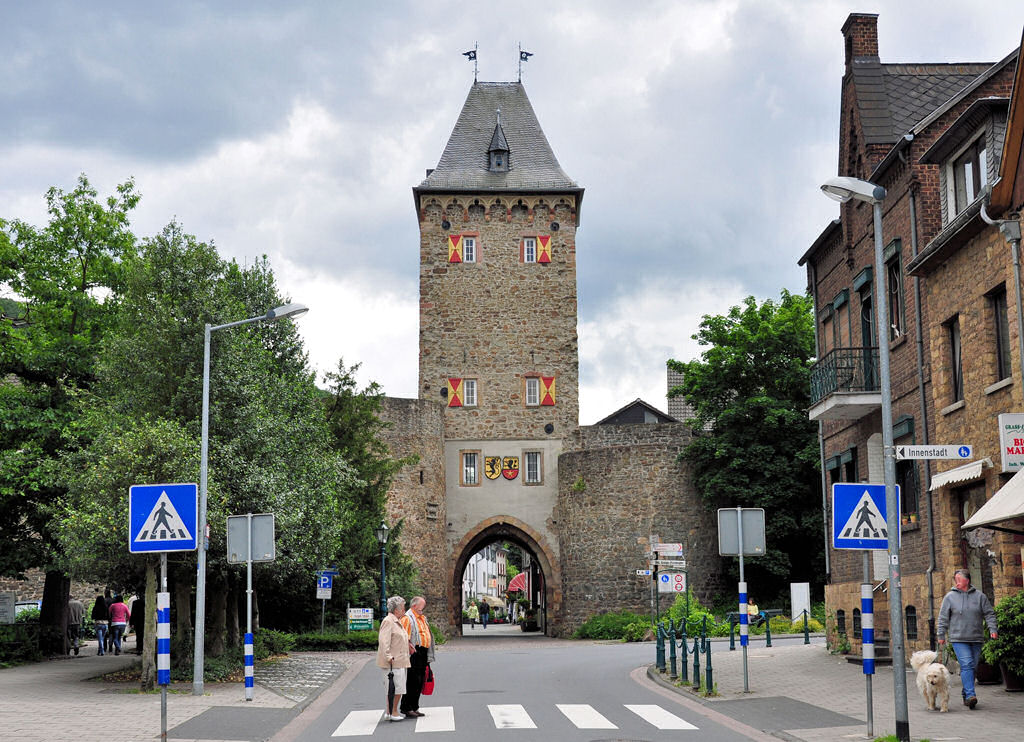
[(391, 687)]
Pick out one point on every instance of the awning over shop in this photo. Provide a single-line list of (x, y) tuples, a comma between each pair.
[(493, 601), (1006, 504), (518, 583), (964, 473)]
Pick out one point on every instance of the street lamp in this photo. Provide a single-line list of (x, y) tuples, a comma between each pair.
[(288, 310), (382, 538), (843, 189)]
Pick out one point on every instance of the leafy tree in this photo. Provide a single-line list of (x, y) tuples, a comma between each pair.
[(755, 446)]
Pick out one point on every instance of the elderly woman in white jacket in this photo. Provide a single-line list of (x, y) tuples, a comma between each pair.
[(393, 650)]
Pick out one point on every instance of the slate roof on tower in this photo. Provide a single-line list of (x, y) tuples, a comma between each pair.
[(464, 163)]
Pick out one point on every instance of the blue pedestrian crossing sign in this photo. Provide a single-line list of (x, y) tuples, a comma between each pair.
[(162, 517), (859, 516)]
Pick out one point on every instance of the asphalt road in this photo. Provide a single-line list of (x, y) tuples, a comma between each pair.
[(501, 687)]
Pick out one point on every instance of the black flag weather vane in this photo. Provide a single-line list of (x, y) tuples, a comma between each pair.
[(524, 56)]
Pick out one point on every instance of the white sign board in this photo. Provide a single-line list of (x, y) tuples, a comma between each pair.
[(672, 582), (668, 549), (643, 573), (1011, 440), (799, 600), (753, 531), (951, 451), (323, 593)]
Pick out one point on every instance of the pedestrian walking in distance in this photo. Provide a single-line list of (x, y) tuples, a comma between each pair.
[(474, 615), (76, 611), (118, 621), (965, 614), (485, 613), (421, 642), (393, 650), (101, 620)]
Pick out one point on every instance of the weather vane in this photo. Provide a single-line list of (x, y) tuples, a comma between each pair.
[(523, 57), (471, 56)]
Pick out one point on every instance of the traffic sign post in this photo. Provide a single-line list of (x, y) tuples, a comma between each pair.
[(163, 518), (860, 515), (257, 530), (952, 451)]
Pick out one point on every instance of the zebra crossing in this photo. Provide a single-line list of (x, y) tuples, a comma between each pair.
[(511, 716)]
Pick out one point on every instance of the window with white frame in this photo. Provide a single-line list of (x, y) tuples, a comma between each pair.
[(470, 476), (469, 249), (956, 375), (529, 249), (469, 392), (532, 391), (1001, 331), (967, 175), (894, 289), (533, 473)]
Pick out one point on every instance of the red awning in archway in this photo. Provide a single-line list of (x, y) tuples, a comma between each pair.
[(518, 583)]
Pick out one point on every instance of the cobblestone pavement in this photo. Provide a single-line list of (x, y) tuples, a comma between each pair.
[(300, 677)]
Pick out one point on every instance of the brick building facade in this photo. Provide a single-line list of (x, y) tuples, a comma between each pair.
[(895, 129)]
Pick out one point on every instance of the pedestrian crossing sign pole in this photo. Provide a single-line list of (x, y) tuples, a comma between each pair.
[(859, 516)]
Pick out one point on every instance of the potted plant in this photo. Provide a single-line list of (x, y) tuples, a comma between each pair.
[(1007, 651), (528, 622)]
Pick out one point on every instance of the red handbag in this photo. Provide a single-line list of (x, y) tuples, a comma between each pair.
[(428, 682)]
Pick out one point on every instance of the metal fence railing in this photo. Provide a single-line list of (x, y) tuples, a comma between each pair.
[(845, 370)]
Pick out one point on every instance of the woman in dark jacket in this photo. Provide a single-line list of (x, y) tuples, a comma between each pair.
[(101, 620)]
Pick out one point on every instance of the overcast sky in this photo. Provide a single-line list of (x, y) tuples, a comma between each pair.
[(700, 131)]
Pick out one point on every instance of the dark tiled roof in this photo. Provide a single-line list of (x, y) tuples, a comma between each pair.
[(498, 141), (464, 163), (893, 98)]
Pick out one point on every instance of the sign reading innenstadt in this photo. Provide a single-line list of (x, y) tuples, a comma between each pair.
[(643, 573), (951, 451)]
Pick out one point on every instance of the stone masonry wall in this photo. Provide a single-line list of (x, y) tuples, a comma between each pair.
[(618, 485), (417, 496), (499, 320)]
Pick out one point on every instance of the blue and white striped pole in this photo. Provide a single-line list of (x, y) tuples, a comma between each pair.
[(163, 638), (249, 667), (743, 615), (867, 628)]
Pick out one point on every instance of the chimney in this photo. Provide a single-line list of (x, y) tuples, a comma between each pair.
[(861, 35)]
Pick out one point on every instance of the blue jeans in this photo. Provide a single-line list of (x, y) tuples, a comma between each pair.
[(967, 654), (483, 619), (116, 632), (101, 636)]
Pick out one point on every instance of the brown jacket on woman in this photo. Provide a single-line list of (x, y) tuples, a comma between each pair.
[(392, 641)]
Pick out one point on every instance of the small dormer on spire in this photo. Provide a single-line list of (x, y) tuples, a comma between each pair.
[(498, 152)]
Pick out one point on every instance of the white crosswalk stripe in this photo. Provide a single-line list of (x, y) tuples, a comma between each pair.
[(358, 724), (658, 716), (585, 716), (437, 719), (510, 716)]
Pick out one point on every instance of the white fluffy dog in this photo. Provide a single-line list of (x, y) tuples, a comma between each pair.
[(932, 678)]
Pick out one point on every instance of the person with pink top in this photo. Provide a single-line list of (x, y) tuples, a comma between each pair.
[(118, 621)]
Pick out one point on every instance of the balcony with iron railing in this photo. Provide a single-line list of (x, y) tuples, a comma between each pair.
[(845, 385)]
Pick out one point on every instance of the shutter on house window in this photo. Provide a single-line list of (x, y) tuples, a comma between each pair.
[(544, 249), (454, 392), (547, 391), (455, 248)]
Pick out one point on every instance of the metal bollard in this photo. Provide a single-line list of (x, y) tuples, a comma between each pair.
[(660, 644), (696, 664), (732, 637), (767, 630), (672, 650), (683, 671), (807, 634), (708, 684)]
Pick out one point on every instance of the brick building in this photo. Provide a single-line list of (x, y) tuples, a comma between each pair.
[(899, 126)]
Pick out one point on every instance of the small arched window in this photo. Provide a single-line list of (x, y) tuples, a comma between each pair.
[(841, 621), (856, 623)]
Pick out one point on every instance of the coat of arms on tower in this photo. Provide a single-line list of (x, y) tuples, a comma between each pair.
[(492, 467), (510, 467)]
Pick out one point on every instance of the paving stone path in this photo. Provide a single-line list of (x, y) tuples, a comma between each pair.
[(300, 677)]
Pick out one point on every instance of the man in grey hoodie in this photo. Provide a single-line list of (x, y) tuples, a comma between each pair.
[(963, 610)]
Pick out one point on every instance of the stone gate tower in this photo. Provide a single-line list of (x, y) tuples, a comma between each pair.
[(498, 347)]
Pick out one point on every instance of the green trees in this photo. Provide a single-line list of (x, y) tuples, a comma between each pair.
[(101, 346), (755, 445)]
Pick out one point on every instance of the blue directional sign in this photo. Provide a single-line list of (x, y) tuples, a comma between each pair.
[(163, 517), (859, 516)]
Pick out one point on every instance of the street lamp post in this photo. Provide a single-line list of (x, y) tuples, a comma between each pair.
[(288, 310), (382, 538), (843, 189)]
